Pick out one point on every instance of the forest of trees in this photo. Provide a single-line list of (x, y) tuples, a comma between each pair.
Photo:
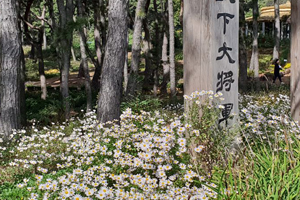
[(149, 99), (151, 30)]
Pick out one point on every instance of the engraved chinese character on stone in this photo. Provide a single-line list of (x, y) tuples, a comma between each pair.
[(226, 112), (225, 50), (224, 81), (226, 20), (231, 1)]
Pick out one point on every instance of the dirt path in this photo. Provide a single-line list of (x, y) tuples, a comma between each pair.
[(74, 81)]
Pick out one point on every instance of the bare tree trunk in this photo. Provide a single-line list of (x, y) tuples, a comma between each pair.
[(111, 78), (22, 75), (10, 68), (125, 76), (295, 66), (43, 25), (22, 90), (40, 57), (166, 66), (73, 53), (277, 30), (66, 16), (242, 49), (32, 52), (87, 80), (136, 47), (156, 82), (157, 47), (100, 39), (172, 50), (147, 49), (97, 37), (42, 67), (37, 45), (254, 64)]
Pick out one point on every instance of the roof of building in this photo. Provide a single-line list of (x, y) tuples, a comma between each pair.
[(267, 14)]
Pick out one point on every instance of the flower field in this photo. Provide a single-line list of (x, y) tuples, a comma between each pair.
[(159, 155)]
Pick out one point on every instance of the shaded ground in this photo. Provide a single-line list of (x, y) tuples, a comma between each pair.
[(76, 82)]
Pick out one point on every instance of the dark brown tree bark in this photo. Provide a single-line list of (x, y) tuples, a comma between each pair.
[(113, 66), (10, 68), (157, 47), (65, 44), (277, 30), (136, 47), (84, 61), (147, 49), (242, 49)]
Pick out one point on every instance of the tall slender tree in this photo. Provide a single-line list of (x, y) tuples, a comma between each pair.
[(148, 49), (277, 30), (166, 66), (242, 48), (254, 64), (100, 38), (295, 67), (136, 47), (10, 68), (84, 61), (112, 73), (66, 11), (172, 49), (29, 30)]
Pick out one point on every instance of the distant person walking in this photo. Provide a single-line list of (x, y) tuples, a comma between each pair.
[(277, 68)]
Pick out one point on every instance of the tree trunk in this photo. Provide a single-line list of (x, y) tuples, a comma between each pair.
[(157, 47), (73, 53), (125, 75), (295, 61), (147, 49), (50, 6), (32, 52), (156, 82), (277, 30), (22, 90), (111, 78), (42, 68), (43, 25), (242, 49), (66, 17), (254, 64), (136, 47), (40, 57), (181, 12), (22, 75), (97, 38), (87, 80), (172, 50), (100, 39), (10, 68), (166, 66)]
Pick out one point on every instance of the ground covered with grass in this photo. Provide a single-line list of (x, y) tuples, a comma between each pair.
[(159, 154)]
